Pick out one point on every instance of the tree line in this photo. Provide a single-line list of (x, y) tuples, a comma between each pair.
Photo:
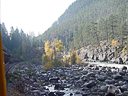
[(19, 44)]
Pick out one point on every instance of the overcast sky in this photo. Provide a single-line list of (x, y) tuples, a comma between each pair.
[(32, 15)]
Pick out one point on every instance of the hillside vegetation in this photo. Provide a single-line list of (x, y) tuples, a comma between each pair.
[(87, 22)]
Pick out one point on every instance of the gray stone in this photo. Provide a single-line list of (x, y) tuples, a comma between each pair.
[(60, 93), (104, 88), (117, 77), (91, 74), (90, 84), (122, 73), (110, 81), (51, 94), (124, 87), (101, 78)]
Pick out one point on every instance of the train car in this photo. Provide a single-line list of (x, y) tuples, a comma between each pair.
[(6, 60)]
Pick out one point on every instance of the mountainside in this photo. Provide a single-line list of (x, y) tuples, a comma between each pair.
[(89, 21)]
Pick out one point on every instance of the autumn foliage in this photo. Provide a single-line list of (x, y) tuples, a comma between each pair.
[(49, 59), (123, 51), (48, 65), (53, 55), (114, 43), (74, 58), (65, 61), (78, 60)]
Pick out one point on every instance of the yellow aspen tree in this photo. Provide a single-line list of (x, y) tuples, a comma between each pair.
[(50, 53), (78, 59), (114, 44), (123, 51), (48, 66), (59, 45), (65, 61), (46, 47), (73, 57)]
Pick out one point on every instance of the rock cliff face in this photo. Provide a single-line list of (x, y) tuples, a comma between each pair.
[(104, 53)]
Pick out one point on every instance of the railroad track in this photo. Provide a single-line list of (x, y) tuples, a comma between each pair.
[(11, 70)]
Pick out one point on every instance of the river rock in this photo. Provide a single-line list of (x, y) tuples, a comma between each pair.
[(36, 91), (122, 73), (124, 68), (110, 81), (117, 77), (43, 93), (124, 87), (51, 94), (58, 86), (85, 94), (104, 88), (55, 79), (125, 93), (112, 89), (91, 74), (101, 78), (90, 84), (60, 93)]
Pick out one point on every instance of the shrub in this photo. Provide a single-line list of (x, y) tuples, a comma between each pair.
[(21, 57), (48, 66), (35, 60), (11, 80), (57, 63), (78, 59), (73, 57), (44, 59), (65, 62), (123, 51)]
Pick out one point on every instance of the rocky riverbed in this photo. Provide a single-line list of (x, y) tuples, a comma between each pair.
[(75, 80)]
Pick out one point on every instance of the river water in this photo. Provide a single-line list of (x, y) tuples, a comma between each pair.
[(108, 64)]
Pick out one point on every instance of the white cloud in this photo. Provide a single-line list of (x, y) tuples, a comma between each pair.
[(32, 15)]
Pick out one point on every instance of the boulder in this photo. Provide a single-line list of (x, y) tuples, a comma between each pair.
[(126, 79), (60, 93), (101, 78), (125, 93), (58, 87), (43, 93), (124, 88), (86, 93), (103, 88), (122, 73), (120, 61), (117, 77), (51, 94), (91, 74), (103, 57), (55, 79), (36, 91), (111, 89), (124, 68), (110, 81), (90, 84)]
